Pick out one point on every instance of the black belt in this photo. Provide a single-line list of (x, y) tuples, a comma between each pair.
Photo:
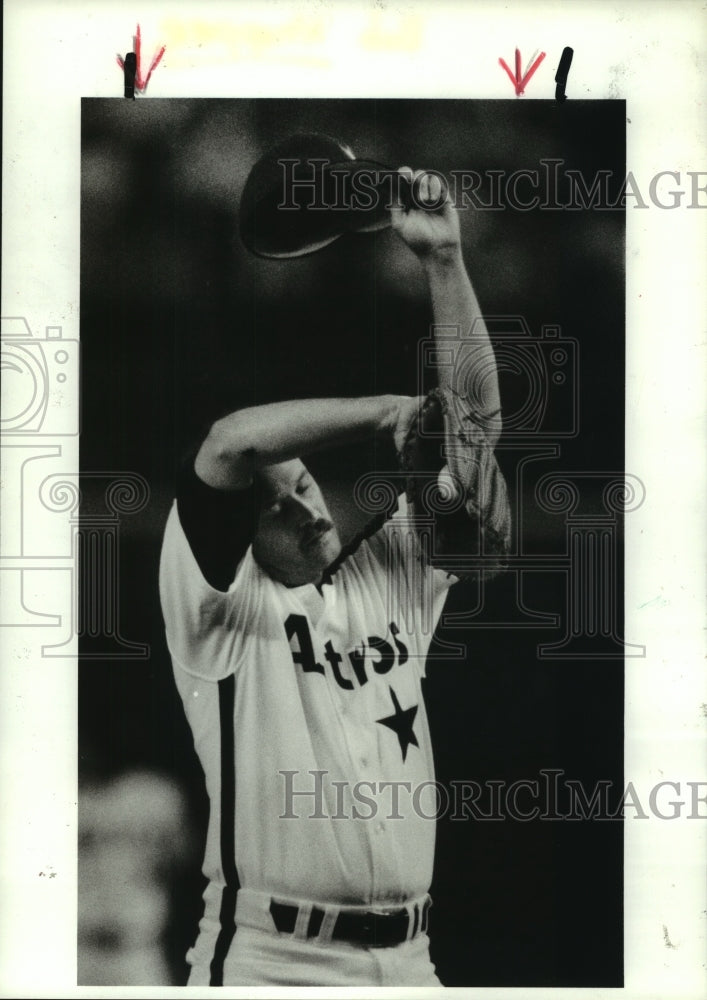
[(375, 930)]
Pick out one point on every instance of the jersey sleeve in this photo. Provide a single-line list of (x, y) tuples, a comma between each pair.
[(208, 578), (219, 525)]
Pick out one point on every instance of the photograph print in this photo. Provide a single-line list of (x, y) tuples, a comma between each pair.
[(351, 645)]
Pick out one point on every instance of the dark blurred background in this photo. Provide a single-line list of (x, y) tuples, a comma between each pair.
[(179, 325)]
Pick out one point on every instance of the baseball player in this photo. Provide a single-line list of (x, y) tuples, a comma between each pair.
[(301, 676)]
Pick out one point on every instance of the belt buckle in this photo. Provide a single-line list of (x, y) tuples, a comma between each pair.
[(382, 929), (389, 929)]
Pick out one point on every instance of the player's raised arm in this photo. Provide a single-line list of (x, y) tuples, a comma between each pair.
[(473, 533), (248, 484), (434, 236), (247, 440)]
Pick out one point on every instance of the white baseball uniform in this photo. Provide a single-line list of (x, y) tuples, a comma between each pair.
[(304, 702)]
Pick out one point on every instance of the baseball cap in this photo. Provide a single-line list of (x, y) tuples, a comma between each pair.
[(309, 190)]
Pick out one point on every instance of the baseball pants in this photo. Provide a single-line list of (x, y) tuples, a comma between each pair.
[(259, 955)]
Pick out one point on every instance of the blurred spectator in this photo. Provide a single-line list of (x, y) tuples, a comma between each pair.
[(134, 838)]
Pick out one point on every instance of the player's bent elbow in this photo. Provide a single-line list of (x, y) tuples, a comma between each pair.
[(223, 459)]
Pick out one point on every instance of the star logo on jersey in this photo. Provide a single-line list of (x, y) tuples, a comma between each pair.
[(401, 724)]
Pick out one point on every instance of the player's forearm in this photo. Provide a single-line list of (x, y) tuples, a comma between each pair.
[(454, 303), (246, 440)]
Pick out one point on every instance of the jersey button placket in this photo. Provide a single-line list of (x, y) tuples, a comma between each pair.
[(378, 836)]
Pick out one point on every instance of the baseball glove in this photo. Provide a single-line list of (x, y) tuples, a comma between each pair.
[(455, 489)]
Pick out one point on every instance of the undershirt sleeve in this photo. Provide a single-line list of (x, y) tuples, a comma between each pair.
[(219, 524)]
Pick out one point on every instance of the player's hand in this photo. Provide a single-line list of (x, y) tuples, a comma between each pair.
[(427, 231), (404, 413), (399, 413)]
